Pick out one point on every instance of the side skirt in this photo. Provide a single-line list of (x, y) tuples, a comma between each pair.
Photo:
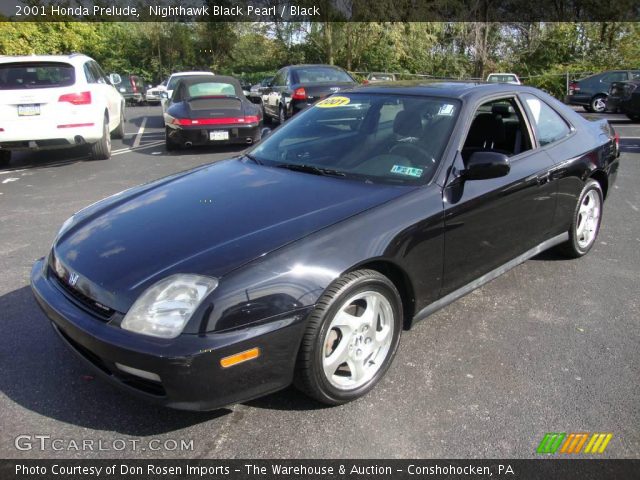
[(487, 277)]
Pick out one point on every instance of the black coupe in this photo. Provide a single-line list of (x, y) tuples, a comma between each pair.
[(206, 110), (303, 260)]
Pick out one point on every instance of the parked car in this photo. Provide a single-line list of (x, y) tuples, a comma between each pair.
[(296, 87), (503, 78), (206, 110), (57, 101), (303, 259), (153, 95), (625, 97), (376, 77), (256, 91), (132, 88), (173, 81), (591, 92)]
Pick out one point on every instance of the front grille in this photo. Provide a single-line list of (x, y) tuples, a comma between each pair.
[(97, 309)]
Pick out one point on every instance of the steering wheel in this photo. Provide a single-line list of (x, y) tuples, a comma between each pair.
[(410, 151)]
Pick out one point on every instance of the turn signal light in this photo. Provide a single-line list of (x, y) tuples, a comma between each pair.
[(83, 98), (241, 357), (299, 94)]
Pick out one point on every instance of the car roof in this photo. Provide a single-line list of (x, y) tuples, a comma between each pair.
[(451, 89), (320, 65), (181, 74), (74, 58)]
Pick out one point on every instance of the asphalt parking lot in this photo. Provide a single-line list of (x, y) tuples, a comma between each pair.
[(552, 346)]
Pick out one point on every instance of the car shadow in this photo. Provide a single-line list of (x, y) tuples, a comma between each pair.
[(40, 374), (288, 399), (551, 255), (47, 158)]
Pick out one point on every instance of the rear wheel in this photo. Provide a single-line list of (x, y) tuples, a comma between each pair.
[(351, 338), (598, 104), (170, 145), (586, 221), (5, 158), (101, 150)]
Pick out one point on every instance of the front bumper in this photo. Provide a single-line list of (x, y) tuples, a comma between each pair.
[(191, 377)]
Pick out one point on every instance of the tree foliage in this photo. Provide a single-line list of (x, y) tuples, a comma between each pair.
[(540, 52)]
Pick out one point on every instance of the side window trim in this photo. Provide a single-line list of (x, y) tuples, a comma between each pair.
[(88, 73)]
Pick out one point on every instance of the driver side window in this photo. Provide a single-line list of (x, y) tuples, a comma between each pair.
[(497, 126)]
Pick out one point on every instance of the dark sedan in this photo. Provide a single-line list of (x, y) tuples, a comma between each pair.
[(303, 260), (591, 92), (625, 97), (210, 110), (297, 87)]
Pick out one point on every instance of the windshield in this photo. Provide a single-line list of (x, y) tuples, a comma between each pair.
[(310, 75), (374, 137), (19, 76)]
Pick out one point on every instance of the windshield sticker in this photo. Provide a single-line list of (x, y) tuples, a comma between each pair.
[(446, 109), (410, 171), (333, 102)]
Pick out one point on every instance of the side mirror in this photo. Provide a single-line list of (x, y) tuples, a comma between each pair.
[(265, 132), (115, 79), (485, 165)]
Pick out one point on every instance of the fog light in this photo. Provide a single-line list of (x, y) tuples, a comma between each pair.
[(241, 357), (139, 373)]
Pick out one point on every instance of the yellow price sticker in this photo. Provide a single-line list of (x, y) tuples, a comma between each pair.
[(333, 102)]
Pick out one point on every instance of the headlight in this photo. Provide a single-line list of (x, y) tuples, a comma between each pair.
[(164, 309), (65, 226)]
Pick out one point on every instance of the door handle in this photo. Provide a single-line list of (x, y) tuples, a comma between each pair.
[(543, 178)]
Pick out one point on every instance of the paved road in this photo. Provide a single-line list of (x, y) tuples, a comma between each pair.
[(550, 346)]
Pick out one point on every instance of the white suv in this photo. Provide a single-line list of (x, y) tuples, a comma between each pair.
[(54, 101)]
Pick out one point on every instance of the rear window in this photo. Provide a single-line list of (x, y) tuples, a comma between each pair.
[(501, 78), (211, 88), (321, 75), (20, 76)]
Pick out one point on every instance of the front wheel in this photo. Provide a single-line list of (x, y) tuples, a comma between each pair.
[(351, 338), (282, 117), (118, 133), (586, 221), (101, 150)]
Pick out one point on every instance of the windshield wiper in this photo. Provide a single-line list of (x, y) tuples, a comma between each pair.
[(254, 159), (296, 167)]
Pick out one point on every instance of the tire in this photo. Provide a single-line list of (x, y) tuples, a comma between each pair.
[(598, 104), (281, 115), (586, 221), (370, 339), (170, 145), (5, 158), (101, 150), (119, 131)]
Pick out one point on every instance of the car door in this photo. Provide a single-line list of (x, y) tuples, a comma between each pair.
[(490, 222), (110, 95)]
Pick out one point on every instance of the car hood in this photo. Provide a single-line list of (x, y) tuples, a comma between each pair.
[(208, 221)]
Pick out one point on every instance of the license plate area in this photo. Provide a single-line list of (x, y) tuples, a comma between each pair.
[(217, 135), (29, 110)]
